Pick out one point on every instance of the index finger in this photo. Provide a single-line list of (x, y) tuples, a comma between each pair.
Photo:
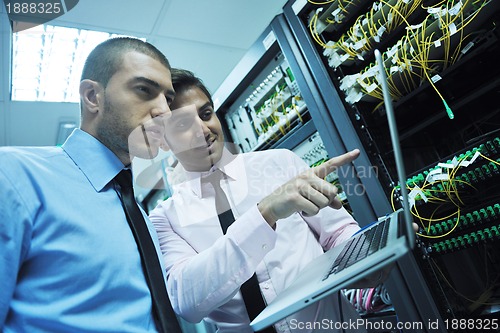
[(331, 165)]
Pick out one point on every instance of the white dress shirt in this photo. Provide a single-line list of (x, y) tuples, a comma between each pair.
[(205, 268)]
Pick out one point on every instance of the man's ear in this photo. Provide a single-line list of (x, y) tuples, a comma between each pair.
[(91, 95)]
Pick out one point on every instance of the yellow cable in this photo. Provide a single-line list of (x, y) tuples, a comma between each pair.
[(321, 3), (489, 159), (446, 234), (461, 295)]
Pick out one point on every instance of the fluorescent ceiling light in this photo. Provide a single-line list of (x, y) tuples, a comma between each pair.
[(47, 62)]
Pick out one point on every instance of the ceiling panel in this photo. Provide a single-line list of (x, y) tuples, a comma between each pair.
[(232, 23), (210, 62), (115, 15)]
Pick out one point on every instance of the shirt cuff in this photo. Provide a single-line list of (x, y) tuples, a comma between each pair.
[(253, 234)]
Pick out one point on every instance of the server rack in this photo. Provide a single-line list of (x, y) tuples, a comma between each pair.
[(448, 115)]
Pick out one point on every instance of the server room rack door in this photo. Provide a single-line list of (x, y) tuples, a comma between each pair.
[(409, 292)]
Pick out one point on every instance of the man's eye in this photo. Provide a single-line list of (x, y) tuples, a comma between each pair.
[(144, 89), (182, 125), (206, 115)]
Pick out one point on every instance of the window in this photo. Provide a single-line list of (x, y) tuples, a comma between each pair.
[(47, 62)]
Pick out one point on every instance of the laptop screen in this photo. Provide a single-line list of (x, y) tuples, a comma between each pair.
[(398, 156)]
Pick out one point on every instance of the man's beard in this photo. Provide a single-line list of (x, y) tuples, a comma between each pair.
[(113, 132)]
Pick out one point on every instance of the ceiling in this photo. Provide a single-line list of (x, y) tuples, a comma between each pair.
[(208, 37), (205, 36)]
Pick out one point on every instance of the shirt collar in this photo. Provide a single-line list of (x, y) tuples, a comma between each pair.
[(99, 164), (229, 164)]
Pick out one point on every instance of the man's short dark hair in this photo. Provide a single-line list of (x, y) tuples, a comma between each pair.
[(106, 58), (183, 79)]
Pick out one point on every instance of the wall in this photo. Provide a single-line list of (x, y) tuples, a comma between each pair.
[(4, 70), (27, 123), (39, 128)]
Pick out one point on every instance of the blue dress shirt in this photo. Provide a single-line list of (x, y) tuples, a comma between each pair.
[(68, 260)]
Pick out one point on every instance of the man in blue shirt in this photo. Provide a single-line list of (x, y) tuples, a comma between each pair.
[(68, 259)]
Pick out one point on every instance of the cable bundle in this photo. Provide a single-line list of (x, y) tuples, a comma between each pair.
[(442, 186), (369, 300), (426, 49), (367, 31)]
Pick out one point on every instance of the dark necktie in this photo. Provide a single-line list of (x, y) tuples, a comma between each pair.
[(250, 290), (162, 309)]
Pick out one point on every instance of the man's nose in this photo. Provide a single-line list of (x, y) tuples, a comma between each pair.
[(202, 129), (161, 107)]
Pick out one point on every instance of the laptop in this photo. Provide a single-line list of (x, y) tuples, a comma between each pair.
[(370, 249)]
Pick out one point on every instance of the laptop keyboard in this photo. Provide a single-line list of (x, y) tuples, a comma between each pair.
[(360, 247)]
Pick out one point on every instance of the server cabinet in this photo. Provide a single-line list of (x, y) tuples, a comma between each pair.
[(441, 61)]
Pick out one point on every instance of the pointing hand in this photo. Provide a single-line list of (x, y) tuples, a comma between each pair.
[(307, 192)]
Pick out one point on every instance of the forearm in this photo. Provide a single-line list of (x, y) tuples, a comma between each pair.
[(201, 282), (332, 226)]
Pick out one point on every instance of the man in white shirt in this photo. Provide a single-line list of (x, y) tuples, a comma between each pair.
[(285, 213)]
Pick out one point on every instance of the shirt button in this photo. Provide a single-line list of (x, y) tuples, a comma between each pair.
[(264, 247)]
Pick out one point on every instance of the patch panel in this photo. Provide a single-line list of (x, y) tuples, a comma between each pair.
[(467, 240), (460, 184), (269, 108), (313, 152), (457, 177), (488, 149), (470, 219)]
